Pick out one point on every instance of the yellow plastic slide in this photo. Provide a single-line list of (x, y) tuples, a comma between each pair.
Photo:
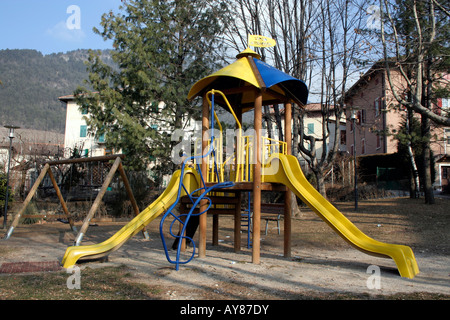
[(160, 205), (286, 170)]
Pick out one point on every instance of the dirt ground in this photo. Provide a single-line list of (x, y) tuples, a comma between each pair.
[(322, 265)]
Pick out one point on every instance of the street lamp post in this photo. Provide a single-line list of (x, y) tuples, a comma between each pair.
[(353, 117), (11, 137)]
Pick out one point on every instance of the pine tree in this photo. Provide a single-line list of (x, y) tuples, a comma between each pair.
[(3, 189), (161, 49)]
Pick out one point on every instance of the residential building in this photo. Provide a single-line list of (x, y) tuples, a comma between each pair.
[(378, 115), (312, 125), (76, 134), (312, 122)]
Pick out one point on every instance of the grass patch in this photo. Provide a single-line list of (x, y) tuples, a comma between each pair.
[(6, 250), (110, 283), (117, 283)]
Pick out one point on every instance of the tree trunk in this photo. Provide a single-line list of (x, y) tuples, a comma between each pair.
[(426, 162), (266, 119), (278, 122), (320, 180), (426, 134), (415, 186), (296, 212), (295, 128)]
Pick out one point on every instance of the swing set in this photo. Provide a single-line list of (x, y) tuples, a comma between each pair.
[(47, 171)]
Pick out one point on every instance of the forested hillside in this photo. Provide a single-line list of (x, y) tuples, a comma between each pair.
[(31, 84)]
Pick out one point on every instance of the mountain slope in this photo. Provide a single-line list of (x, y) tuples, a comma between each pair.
[(32, 83)]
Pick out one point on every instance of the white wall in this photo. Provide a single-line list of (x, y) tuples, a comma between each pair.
[(72, 138)]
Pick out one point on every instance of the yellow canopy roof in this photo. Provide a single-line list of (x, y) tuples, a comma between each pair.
[(240, 79)]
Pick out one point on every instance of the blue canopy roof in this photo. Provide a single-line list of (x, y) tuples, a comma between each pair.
[(248, 71), (272, 76)]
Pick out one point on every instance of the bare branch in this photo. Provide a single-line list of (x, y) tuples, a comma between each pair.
[(441, 7), (416, 87)]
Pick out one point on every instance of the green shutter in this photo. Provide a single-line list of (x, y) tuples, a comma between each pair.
[(83, 131)]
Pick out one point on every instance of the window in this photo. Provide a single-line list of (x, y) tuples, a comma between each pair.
[(376, 106), (378, 141), (445, 104), (363, 146), (101, 138), (310, 128), (154, 107), (343, 137), (445, 172), (447, 135), (361, 116), (83, 131), (308, 146)]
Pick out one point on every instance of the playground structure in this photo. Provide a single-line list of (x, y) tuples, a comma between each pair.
[(209, 184)]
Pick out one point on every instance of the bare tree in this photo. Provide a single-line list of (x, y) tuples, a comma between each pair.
[(316, 42), (423, 39), (289, 23), (418, 33), (337, 46)]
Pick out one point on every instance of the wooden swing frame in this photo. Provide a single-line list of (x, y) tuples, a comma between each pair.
[(117, 165)]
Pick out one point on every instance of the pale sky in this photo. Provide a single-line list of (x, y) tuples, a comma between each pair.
[(51, 26)]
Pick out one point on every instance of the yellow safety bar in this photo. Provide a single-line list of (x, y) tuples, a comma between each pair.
[(238, 147), (247, 145), (244, 150), (269, 148)]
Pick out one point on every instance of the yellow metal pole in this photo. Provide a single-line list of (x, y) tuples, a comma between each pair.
[(239, 151), (204, 169)]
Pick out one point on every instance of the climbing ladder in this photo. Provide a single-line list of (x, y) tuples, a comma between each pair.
[(246, 221)]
